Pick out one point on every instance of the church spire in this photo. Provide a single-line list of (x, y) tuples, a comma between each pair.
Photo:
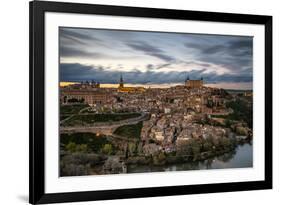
[(121, 83), (121, 79)]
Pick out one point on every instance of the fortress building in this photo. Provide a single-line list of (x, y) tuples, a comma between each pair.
[(194, 83)]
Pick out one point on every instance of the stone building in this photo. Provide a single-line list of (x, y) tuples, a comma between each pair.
[(194, 83), (85, 96)]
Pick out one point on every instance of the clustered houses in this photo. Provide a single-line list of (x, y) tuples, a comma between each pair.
[(174, 130), (173, 111)]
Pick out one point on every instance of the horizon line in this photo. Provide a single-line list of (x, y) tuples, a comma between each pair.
[(224, 85)]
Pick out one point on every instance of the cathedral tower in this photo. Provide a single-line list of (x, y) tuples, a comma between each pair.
[(121, 84)]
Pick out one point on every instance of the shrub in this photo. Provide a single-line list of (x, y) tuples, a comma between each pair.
[(161, 156), (75, 170), (207, 146), (77, 164), (71, 147), (94, 143), (195, 146), (82, 148), (132, 148), (107, 149)]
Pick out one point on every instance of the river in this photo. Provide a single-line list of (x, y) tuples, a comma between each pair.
[(241, 157)]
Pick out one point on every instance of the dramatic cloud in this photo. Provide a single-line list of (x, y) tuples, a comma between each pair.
[(74, 52), (152, 57), (150, 50), (76, 36), (234, 53), (77, 72)]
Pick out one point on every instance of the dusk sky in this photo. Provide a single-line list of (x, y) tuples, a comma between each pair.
[(154, 58)]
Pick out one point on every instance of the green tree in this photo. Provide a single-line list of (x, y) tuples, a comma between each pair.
[(71, 147), (139, 148), (132, 148), (107, 149), (195, 149), (207, 145), (82, 148), (161, 156), (225, 143)]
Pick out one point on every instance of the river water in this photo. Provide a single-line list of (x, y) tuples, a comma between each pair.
[(241, 157)]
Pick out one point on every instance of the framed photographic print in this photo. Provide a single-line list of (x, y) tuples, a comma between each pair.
[(140, 102)]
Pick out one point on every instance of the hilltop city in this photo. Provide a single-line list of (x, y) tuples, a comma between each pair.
[(108, 130)]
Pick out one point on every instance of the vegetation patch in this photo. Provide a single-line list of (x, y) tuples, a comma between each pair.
[(129, 131), (79, 164), (199, 149), (242, 110), (83, 142), (71, 109)]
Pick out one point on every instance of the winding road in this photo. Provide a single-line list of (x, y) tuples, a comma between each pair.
[(106, 128)]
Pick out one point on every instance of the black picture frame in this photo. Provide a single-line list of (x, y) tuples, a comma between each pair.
[(37, 11)]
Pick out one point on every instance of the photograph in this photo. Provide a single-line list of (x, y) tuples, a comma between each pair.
[(147, 101), (132, 102)]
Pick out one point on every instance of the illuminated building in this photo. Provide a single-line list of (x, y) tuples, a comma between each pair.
[(123, 89)]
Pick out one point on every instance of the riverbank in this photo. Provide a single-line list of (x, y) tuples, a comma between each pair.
[(74, 164), (240, 157), (173, 158), (87, 154)]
